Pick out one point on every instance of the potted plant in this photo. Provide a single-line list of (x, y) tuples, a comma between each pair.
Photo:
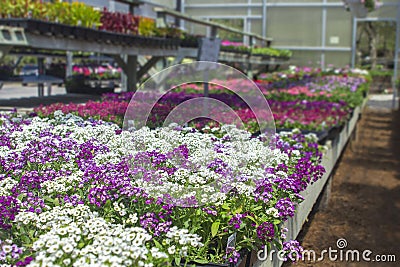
[(360, 8)]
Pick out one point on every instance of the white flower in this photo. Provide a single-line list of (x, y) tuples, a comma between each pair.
[(273, 212), (171, 250), (7, 249), (52, 249), (67, 248)]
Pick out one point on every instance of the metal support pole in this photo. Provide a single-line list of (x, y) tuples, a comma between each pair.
[(249, 65), (323, 36), (131, 72), (264, 18), (214, 32), (42, 71), (179, 9), (396, 60), (247, 24), (111, 5), (68, 71), (354, 43), (183, 12), (4, 49)]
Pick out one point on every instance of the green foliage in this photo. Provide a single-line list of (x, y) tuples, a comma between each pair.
[(20, 8), (273, 52), (75, 14), (147, 26), (381, 73), (233, 23)]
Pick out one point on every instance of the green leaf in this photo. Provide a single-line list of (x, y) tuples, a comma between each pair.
[(186, 224), (201, 261), (178, 260), (25, 239), (238, 210), (20, 197), (225, 207), (251, 218), (107, 206), (158, 245), (214, 228), (81, 245), (31, 233)]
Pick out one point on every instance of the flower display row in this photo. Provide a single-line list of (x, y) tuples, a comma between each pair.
[(261, 51), (315, 101), (96, 71), (302, 114), (80, 192), (81, 14)]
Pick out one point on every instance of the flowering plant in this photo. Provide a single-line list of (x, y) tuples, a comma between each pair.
[(303, 114), (304, 98), (79, 192), (370, 5)]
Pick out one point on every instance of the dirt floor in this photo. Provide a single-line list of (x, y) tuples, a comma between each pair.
[(364, 206)]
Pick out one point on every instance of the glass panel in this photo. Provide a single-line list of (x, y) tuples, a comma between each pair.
[(338, 27), (217, 11), (296, 1), (233, 23), (195, 29), (302, 29), (306, 58), (188, 2), (337, 59), (256, 11), (256, 26)]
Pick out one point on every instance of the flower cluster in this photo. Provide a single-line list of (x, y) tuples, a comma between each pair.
[(370, 5), (78, 192), (304, 98)]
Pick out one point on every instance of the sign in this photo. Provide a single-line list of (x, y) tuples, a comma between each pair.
[(209, 49)]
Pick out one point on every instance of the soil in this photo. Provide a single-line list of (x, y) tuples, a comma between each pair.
[(364, 205)]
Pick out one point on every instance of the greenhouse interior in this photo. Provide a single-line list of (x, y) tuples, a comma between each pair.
[(235, 133)]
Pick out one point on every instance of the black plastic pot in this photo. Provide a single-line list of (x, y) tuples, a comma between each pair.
[(107, 37), (334, 132), (79, 32), (244, 261), (29, 25), (92, 35), (127, 40), (322, 135), (67, 31), (79, 84), (283, 58), (189, 43), (43, 27), (74, 84), (57, 29)]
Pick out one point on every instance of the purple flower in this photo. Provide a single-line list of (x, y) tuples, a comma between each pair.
[(236, 220), (210, 211), (232, 255), (266, 232), (285, 207), (218, 166), (263, 191), (153, 224), (293, 250), (9, 207)]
